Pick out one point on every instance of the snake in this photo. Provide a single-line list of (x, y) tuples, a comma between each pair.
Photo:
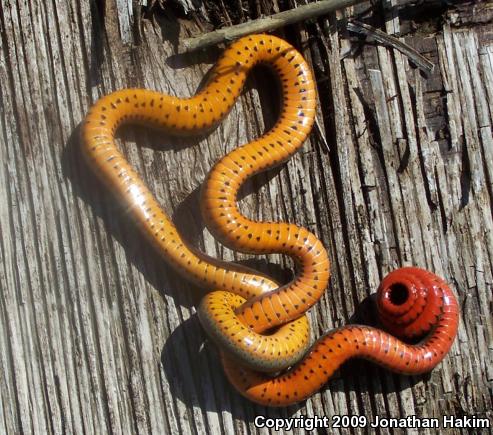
[(260, 326)]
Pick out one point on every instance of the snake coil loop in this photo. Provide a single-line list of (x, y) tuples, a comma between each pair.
[(411, 302)]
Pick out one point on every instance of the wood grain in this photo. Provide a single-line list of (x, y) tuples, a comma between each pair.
[(99, 336)]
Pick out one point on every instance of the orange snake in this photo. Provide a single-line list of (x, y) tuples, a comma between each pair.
[(249, 304)]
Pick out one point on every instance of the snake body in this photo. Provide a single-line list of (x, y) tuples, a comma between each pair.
[(248, 304)]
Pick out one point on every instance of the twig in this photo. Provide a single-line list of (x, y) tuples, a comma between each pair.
[(272, 22), (321, 135), (419, 60)]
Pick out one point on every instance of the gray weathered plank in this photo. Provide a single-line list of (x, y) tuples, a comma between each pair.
[(99, 336)]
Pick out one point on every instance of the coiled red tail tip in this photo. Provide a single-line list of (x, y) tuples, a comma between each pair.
[(409, 300)]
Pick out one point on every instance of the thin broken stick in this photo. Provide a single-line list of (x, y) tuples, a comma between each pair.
[(390, 41), (269, 23)]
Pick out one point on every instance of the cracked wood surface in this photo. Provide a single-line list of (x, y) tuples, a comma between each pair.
[(98, 335)]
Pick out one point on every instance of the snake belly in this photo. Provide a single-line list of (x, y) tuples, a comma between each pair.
[(246, 303)]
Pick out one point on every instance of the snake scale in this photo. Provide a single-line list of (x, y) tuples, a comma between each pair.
[(259, 325)]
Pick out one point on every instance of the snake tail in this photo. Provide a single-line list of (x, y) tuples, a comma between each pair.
[(410, 302)]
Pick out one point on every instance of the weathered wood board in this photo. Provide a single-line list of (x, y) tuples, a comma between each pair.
[(98, 335)]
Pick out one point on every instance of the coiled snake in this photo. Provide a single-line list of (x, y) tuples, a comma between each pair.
[(245, 304)]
